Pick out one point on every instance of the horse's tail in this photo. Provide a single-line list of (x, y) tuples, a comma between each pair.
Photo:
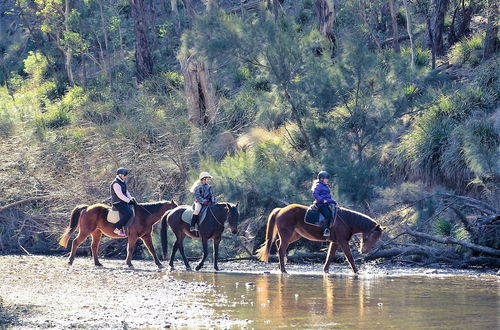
[(164, 236), (73, 223), (265, 249)]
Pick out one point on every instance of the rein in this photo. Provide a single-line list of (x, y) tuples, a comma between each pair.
[(217, 220), (142, 207)]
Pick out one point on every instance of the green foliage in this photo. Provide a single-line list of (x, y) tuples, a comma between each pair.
[(466, 50), (443, 227)]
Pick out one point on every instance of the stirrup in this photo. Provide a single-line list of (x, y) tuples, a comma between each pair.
[(326, 232)]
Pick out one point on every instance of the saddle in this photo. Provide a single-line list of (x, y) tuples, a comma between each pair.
[(114, 215), (315, 217), (187, 215)]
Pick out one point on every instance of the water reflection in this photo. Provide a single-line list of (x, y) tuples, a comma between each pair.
[(346, 301)]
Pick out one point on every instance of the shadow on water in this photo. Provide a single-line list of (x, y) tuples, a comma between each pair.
[(315, 301)]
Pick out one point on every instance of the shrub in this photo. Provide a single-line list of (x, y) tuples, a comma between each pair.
[(466, 50)]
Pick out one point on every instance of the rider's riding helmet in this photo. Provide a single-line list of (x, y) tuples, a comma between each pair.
[(323, 175), (205, 175), (122, 170)]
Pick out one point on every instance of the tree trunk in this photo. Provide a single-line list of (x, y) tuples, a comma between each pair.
[(175, 15), (200, 94), (435, 26), (326, 17), (395, 32), (457, 31), (491, 42), (105, 57), (410, 34), (143, 58), (68, 53), (273, 6)]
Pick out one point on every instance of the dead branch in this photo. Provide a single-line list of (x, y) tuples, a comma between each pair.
[(31, 199), (474, 203), (451, 240)]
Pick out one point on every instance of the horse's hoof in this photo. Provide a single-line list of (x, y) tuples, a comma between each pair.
[(98, 265), (198, 267), (160, 266), (131, 266), (216, 269), (172, 269)]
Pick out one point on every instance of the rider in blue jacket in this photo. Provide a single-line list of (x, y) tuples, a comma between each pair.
[(323, 199)]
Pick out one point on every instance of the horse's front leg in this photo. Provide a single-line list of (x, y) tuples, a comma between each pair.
[(96, 238), (331, 252), (149, 245), (204, 243), (132, 239), (216, 252), (347, 251)]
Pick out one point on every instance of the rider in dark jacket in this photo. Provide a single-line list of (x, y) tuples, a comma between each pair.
[(203, 194), (121, 199), (323, 199)]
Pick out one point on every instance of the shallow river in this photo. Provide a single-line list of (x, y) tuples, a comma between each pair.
[(270, 300)]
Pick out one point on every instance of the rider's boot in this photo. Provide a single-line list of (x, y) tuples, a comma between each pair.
[(194, 220)]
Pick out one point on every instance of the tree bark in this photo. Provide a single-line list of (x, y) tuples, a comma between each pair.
[(105, 57), (395, 32), (326, 17), (410, 34), (68, 53), (435, 25), (200, 94), (143, 58), (491, 42), (175, 15)]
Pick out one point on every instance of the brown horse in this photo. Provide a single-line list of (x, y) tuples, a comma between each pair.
[(289, 224), (91, 220), (211, 228)]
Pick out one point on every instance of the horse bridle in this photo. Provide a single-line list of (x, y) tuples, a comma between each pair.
[(217, 220)]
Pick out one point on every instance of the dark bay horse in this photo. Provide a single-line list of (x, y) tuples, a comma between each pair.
[(91, 220), (288, 223), (211, 228)]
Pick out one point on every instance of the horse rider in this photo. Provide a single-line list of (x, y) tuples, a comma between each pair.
[(121, 199), (203, 194), (323, 200)]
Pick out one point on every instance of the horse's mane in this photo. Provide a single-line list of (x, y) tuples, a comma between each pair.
[(153, 206), (357, 219)]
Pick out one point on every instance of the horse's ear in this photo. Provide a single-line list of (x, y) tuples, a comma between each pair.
[(237, 203), (173, 202), (378, 227)]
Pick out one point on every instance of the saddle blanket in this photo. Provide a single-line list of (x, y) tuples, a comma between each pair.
[(314, 217), (114, 215), (187, 215)]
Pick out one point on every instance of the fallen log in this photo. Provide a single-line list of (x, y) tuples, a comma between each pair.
[(451, 240)]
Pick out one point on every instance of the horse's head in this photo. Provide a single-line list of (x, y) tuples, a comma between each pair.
[(233, 217), (370, 238)]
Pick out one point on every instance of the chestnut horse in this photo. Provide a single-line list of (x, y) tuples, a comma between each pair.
[(91, 220), (211, 228), (288, 222)]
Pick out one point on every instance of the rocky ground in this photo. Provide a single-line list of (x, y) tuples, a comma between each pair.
[(40, 291)]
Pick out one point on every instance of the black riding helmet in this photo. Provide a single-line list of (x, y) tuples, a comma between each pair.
[(122, 170), (323, 175)]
